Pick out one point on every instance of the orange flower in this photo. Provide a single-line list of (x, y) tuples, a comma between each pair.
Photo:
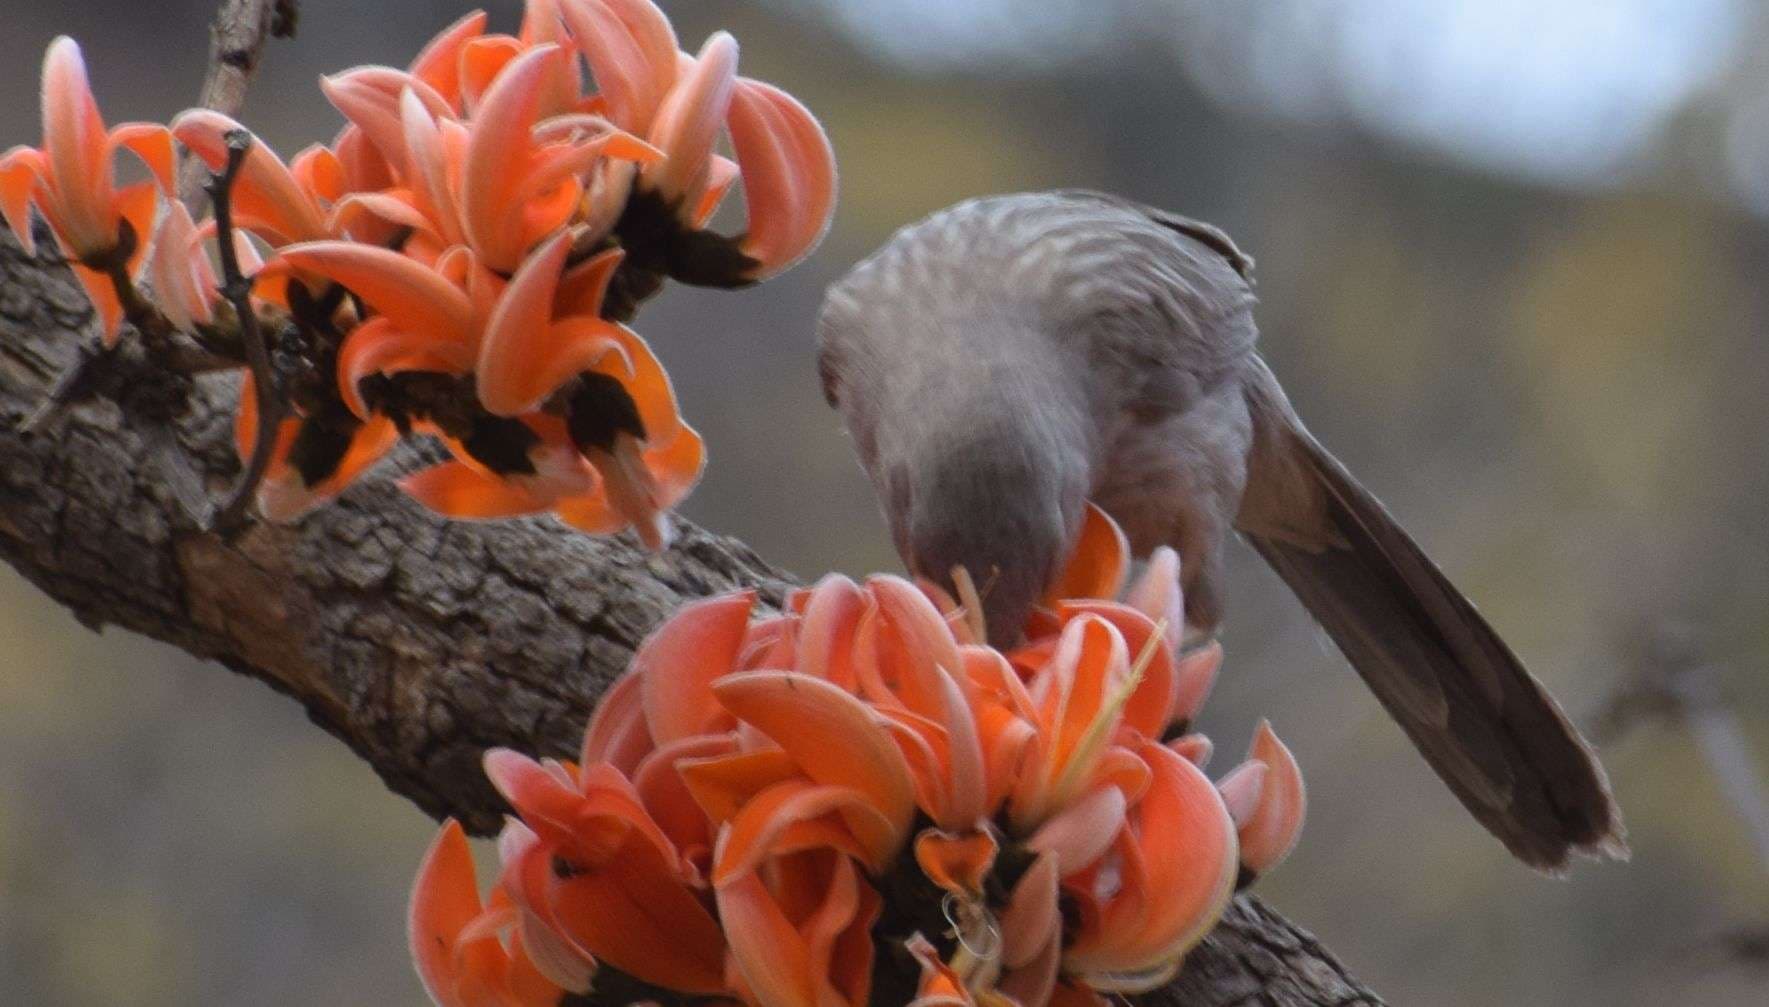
[(502, 181), (804, 746), (71, 182), (272, 200), (601, 874), (1265, 797), (681, 103), (184, 281), (456, 941), (1169, 876), (309, 463), (798, 915), (620, 455)]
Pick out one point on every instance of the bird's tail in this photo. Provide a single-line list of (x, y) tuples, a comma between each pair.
[(1488, 728)]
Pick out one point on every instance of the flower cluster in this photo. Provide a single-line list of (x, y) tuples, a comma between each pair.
[(460, 259), (858, 798)]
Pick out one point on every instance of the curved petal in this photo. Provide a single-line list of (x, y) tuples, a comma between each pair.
[(688, 124), (517, 334), (287, 495), (788, 175), (1179, 870), (767, 823), (498, 151), (617, 733), (826, 632), (583, 286), (444, 900), (429, 165), (74, 143), (320, 173), (1194, 748), (460, 490), (572, 346), (676, 466), (658, 781), (548, 805), (1152, 703), (370, 96), (21, 169), (1240, 791), (1032, 919), (1080, 693), (1193, 677), (681, 660), (631, 50), (172, 267), (151, 142), (924, 636), (833, 736), (266, 197), (1157, 594), (1270, 832), (967, 780), (839, 935), (957, 862), (1101, 557), (722, 175), (649, 385), (637, 918), (396, 207), (439, 63), (377, 347), (766, 947), (417, 299), (1081, 833), (482, 59), (363, 167), (722, 785)]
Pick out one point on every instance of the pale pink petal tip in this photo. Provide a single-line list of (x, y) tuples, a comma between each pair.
[(1270, 831)]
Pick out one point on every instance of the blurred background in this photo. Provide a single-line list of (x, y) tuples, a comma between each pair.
[(1512, 263)]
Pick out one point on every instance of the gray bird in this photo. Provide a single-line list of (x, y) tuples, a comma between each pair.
[(1007, 359)]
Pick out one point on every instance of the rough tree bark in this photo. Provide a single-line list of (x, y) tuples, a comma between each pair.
[(416, 641)]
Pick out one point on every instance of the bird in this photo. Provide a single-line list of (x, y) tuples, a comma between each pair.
[(1005, 362)]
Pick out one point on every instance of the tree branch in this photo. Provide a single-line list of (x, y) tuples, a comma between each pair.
[(236, 40), (416, 641)]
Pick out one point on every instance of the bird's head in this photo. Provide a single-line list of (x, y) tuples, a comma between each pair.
[(998, 506)]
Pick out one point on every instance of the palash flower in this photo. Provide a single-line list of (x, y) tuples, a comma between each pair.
[(278, 202), (480, 218), (184, 282), (1266, 799), (618, 453), (681, 104), (70, 180), (817, 781), (486, 140), (501, 181), (459, 944), (596, 872), (311, 462)]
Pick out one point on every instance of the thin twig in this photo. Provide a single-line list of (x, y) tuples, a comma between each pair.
[(236, 39), (1675, 679), (1728, 753), (237, 288)]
